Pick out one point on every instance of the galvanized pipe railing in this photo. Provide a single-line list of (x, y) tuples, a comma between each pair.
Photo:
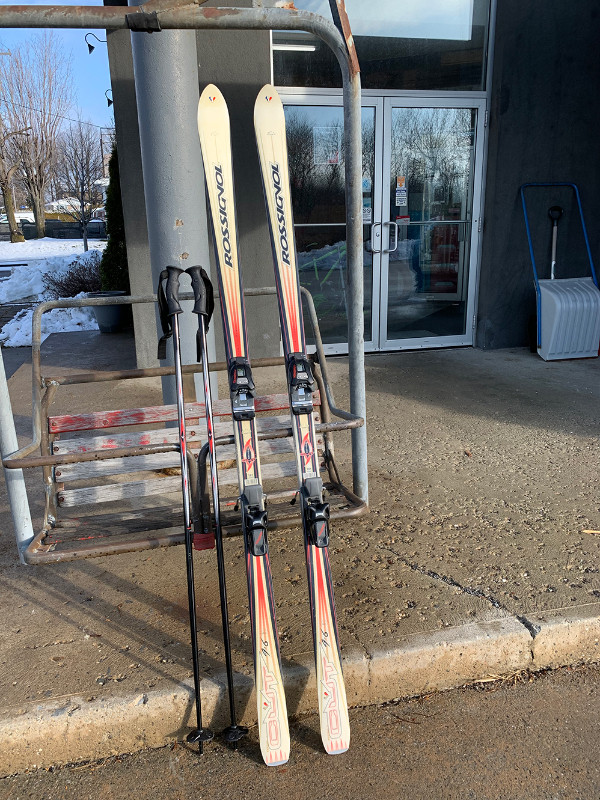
[(152, 17)]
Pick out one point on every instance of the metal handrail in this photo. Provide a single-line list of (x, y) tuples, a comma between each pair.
[(20, 458), (179, 14)]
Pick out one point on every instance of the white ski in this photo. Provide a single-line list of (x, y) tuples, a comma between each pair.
[(269, 123), (215, 141)]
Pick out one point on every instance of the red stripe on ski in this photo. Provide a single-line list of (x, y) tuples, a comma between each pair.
[(331, 706), (269, 681)]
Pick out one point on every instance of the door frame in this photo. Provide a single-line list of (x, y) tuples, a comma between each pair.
[(381, 101), (438, 101)]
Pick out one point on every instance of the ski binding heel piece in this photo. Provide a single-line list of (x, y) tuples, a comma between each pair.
[(301, 383), (316, 513), (241, 387), (255, 524)]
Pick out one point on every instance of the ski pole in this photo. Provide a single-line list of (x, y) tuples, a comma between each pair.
[(169, 308), (203, 307)]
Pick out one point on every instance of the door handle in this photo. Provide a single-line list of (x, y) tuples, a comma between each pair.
[(376, 235), (393, 225)]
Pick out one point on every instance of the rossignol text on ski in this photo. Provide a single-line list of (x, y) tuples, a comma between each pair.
[(214, 131), (269, 122)]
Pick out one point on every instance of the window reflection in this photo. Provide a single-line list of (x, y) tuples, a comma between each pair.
[(432, 149), (316, 163), (414, 44), (430, 190)]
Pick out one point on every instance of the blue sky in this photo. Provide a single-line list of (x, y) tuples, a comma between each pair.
[(90, 73)]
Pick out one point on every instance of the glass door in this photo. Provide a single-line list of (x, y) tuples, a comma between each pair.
[(422, 174), (430, 223), (315, 127)]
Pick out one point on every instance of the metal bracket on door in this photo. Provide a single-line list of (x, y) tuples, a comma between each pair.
[(375, 234), (395, 228)]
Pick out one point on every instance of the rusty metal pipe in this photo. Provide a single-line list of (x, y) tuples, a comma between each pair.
[(149, 372), (152, 16), (91, 455), (12, 462)]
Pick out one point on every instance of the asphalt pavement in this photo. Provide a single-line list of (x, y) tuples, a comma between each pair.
[(524, 738), (478, 559)]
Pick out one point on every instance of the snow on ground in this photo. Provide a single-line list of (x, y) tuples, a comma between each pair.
[(26, 282), (17, 332), (42, 248)]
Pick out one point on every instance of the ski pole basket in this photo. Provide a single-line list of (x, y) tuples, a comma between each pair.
[(568, 309), (111, 479)]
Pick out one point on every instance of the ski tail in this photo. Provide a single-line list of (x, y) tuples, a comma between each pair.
[(214, 132), (269, 122)]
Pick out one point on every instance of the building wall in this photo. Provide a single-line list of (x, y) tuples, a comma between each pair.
[(239, 63), (543, 126), (132, 192)]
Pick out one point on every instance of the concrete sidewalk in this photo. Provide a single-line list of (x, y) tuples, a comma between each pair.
[(474, 561)]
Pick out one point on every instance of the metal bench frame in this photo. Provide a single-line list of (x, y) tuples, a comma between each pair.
[(189, 16), (70, 543)]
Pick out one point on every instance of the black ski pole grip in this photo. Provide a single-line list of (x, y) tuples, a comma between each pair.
[(168, 305), (172, 291), (203, 293)]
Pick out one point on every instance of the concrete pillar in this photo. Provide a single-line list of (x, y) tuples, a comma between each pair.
[(239, 63), (165, 70)]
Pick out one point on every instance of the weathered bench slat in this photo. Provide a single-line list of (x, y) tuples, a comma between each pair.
[(123, 466), (195, 433), (100, 420), (168, 485)]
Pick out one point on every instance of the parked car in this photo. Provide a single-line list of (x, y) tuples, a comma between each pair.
[(96, 228)]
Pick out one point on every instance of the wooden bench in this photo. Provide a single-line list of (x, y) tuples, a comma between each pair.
[(106, 491), (112, 479)]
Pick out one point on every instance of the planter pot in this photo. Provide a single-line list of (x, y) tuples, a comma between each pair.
[(111, 319)]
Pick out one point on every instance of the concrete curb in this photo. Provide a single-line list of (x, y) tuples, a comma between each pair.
[(70, 730)]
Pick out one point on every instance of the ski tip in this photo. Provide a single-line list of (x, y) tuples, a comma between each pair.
[(210, 94), (211, 97), (268, 93), (267, 96)]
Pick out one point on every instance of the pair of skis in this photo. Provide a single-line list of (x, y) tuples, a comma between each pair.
[(214, 131)]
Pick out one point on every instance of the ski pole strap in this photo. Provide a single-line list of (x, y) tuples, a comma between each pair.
[(241, 388), (168, 305), (204, 537), (301, 383)]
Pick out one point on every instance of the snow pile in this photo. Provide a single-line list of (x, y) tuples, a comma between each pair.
[(17, 332), (26, 282)]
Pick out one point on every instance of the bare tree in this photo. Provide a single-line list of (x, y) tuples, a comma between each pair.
[(36, 93), (432, 148), (8, 168), (79, 168)]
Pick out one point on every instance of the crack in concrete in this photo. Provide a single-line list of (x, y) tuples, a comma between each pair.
[(363, 647), (532, 629)]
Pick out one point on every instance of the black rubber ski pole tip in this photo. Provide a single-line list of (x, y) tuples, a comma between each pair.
[(233, 734), (200, 735)]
